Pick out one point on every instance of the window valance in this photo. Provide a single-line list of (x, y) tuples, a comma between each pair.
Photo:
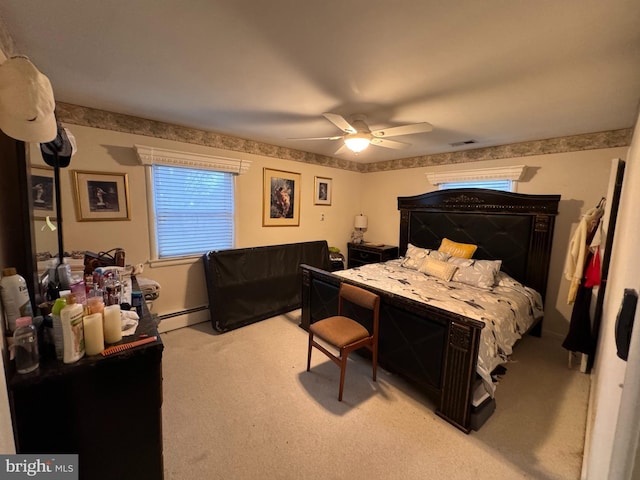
[(162, 156)]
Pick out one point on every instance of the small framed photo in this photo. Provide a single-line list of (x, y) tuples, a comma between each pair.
[(101, 196), (323, 191), (43, 193), (281, 198)]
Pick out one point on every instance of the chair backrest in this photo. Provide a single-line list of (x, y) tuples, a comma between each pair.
[(361, 297)]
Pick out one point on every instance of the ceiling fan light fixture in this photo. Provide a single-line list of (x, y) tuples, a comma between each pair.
[(357, 142)]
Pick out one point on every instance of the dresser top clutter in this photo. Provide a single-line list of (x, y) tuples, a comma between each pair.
[(52, 367), (99, 403)]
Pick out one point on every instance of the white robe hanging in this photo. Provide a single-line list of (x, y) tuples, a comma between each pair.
[(578, 248)]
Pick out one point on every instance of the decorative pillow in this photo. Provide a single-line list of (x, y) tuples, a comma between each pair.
[(438, 268), (460, 262), (442, 256), (464, 250), (481, 273), (414, 257)]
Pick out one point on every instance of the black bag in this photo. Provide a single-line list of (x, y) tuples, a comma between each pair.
[(114, 257)]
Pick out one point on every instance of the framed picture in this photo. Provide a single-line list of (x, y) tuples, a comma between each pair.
[(281, 199), (101, 196), (43, 193), (323, 191)]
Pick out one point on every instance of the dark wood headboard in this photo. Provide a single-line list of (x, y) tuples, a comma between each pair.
[(512, 227)]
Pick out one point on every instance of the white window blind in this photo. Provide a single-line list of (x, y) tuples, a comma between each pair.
[(504, 185), (194, 210)]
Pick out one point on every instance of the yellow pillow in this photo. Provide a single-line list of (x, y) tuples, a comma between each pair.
[(462, 250)]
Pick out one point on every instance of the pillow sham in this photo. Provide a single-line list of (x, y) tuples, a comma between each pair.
[(438, 268), (464, 250), (460, 262), (481, 273), (442, 256), (416, 255)]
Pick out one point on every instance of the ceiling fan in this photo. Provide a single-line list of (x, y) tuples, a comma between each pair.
[(357, 135)]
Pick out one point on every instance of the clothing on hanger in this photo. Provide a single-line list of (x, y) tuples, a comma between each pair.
[(582, 268), (578, 248)]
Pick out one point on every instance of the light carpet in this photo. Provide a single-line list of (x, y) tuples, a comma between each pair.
[(240, 405)]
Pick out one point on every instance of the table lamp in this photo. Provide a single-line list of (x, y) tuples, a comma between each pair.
[(360, 224)]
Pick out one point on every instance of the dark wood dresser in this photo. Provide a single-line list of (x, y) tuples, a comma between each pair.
[(363, 253), (108, 410)]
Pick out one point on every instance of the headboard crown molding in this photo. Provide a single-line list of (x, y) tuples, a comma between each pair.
[(162, 156), (478, 198)]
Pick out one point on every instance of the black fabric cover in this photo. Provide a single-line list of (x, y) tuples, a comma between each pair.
[(247, 285)]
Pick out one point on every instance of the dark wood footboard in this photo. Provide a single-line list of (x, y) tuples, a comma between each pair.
[(434, 349)]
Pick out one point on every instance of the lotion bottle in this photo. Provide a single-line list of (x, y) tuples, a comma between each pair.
[(15, 297), (72, 330), (58, 336)]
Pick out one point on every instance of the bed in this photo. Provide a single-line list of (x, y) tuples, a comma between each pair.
[(432, 345)]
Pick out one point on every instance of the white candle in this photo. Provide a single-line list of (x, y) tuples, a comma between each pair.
[(112, 324), (93, 334)]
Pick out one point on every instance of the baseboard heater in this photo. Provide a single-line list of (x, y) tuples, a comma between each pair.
[(183, 318), (182, 312)]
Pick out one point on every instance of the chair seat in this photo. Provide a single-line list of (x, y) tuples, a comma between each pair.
[(339, 330)]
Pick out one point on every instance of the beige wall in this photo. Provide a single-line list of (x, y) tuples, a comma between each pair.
[(183, 285), (613, 433), (580, 177)]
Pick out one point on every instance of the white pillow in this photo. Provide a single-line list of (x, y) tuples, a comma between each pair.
[(438, 268), (414, 257), (442, 256), (460, 262), (481, 273)]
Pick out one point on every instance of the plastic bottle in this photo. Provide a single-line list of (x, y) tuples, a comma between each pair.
[(25, 344), (58, 338), (15, 297), (136, 301), (95, 305), (72, 330)]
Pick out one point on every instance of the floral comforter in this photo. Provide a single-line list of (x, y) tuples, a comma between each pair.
[(507, 310)]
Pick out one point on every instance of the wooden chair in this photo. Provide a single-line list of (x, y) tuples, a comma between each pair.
[(346, 334)]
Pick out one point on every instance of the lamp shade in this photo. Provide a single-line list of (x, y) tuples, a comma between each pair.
[(357, 142), (360, 221)]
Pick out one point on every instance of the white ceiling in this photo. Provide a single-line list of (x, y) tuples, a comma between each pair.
[(494, 71)]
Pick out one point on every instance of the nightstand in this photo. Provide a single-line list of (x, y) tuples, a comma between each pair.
[(363, 253)]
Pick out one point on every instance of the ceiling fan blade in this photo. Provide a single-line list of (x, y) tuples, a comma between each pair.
[(343, 149), (389, 143), (403, 130), (318, 138), (340, 122)]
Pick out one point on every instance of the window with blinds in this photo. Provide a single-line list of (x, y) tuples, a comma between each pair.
[(194, 210), (504, 185)]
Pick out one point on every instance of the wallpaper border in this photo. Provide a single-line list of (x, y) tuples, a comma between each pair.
[(90, 117)]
